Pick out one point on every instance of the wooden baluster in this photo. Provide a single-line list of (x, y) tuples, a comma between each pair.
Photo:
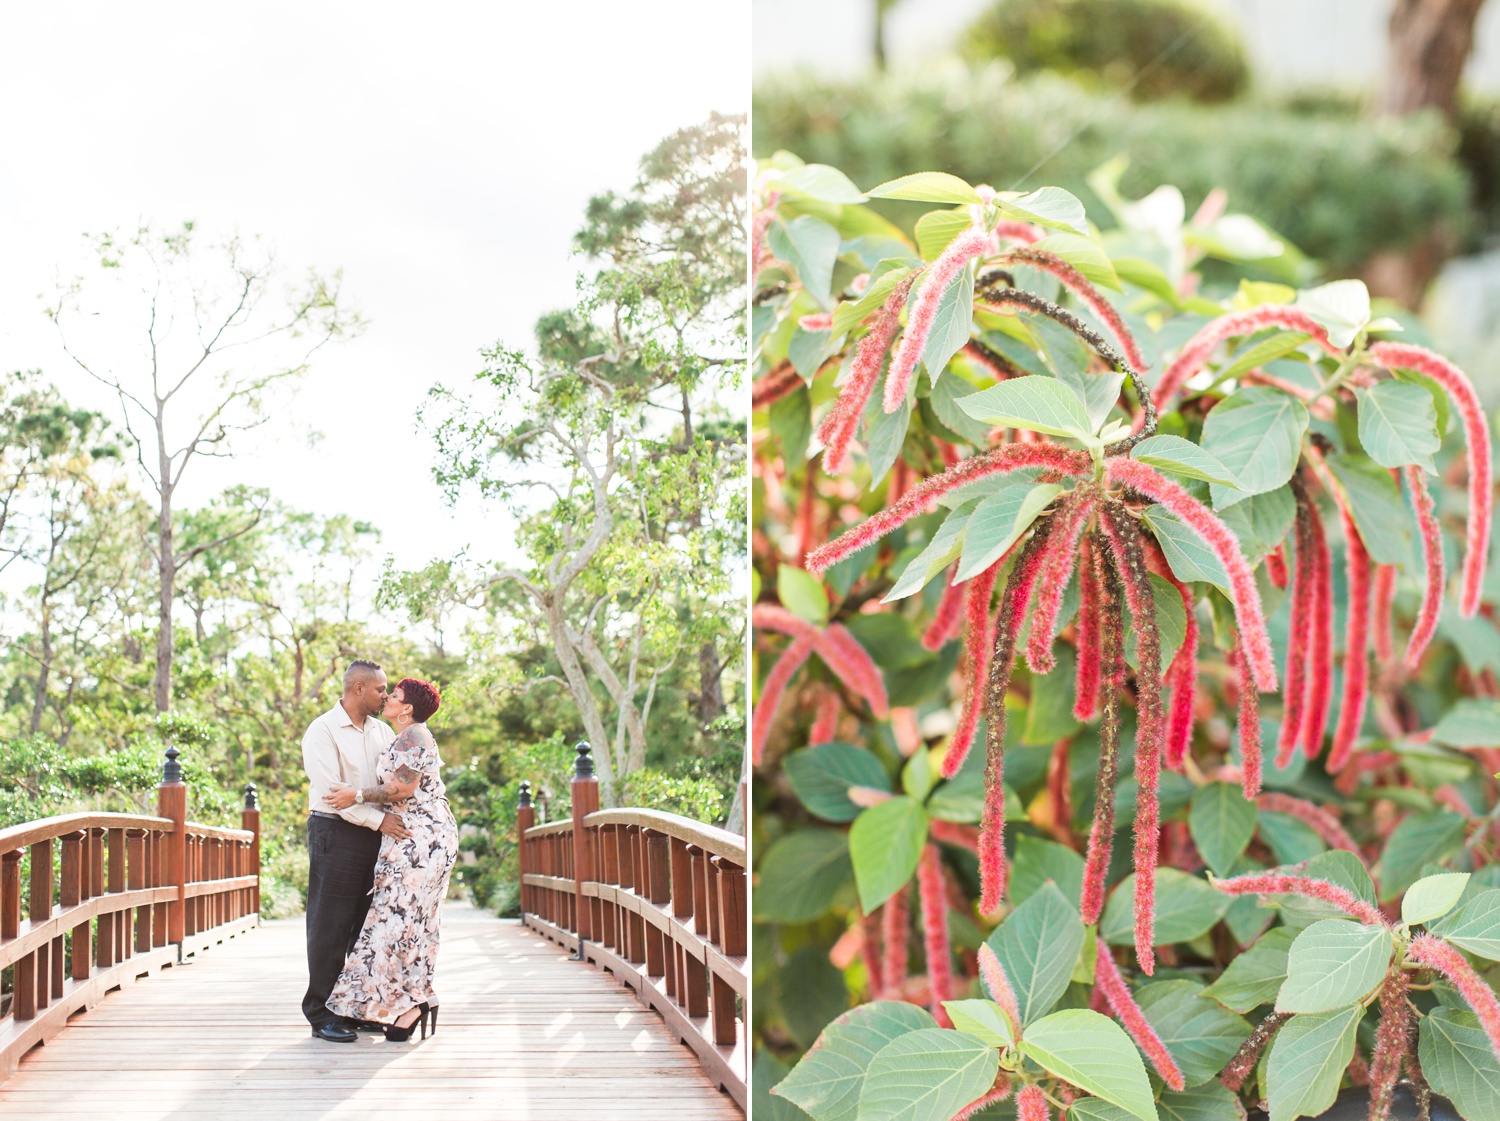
[(103, 865), (682, 908), (594, 840), (699, 860), (157, 842), (731, 936), (697, 888), (635, 942), (10, 927), (135, 880), (658, 890), (39, 911), (609, 872), (171, 802), (75, 876), (711, 879)]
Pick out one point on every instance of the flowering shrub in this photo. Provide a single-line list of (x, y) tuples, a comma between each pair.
[(1072, 518)]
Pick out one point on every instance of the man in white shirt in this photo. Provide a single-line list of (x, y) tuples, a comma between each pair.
[(342, 746)]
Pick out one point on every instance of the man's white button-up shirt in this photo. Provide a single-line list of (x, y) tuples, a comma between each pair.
[(334, 750)]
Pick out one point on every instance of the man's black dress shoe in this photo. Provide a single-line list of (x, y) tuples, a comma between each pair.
[(334, 1032)]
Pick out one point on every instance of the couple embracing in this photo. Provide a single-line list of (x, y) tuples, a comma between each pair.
[(381, 844)]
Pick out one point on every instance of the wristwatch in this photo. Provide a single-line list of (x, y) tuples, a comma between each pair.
[(359, 795)]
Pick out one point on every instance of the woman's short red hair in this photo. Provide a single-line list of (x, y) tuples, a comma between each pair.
[(422, 696)]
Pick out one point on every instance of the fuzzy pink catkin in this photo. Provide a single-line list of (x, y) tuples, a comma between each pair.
[(1196, 351), (770, 695), (1392, 1039), (1356, 646), (935, 931), (1062, 553), (1031, 1104), (1320, 677), (1111, 659), (1086, 635), (1278, 883), (973, 242), (997, 984), (1477, 432), (1299, 630), (773, 617), (774, 386), (1276, 566), (842, 421), (978, 638), (843, 654), (895, 921), (1183, 673), (1385, 596), (1445, 959), (1247, 609), (1107, 977), (1432, 557), (1321, 821), (996, 461), (1249, 727), (1019, 231), (1103, 310), (949, 612), (825, 727)]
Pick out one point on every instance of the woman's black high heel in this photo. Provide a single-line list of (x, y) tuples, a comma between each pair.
[(434, 1010), (393, 1034)]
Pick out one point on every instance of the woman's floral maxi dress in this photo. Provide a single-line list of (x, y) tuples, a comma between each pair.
[(390, 968)]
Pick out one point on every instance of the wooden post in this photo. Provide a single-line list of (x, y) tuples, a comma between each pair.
[(171, 802), (135, 879), (40, 911), (75, 888), (10, 924), (525, 819), (585, 802), (250, 819)]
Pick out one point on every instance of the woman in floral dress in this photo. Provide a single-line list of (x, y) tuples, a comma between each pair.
[(387, 977)]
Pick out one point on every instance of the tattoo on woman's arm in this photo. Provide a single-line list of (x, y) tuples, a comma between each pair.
[(386, 792)]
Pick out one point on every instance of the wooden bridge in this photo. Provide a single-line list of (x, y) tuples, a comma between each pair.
[(142, 984)]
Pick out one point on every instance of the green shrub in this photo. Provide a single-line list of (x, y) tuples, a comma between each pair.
[(1340, 193), (1149, 48)]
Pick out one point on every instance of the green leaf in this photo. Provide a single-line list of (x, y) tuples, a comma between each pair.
[(1308, 1060), (1188, 555), (850, 313), (811, 246), (926, 186), (827, 1082), (983, 1020), (1093, 1053), (1278, 345), (1471, 722), (1084, 255), (1341, 306), (1261, 522), (1185, 908), (1398, 424), (1099, 393), (1333, 962), (1337, 867), (998, 521), (1046, 206), (1171, 625), (808, 350), (887, 432), (1432, 897), (1257, 435), (1209, 1102), (791, 424), (885, 844), (1037, 946), (927, 1075), (937, 228), (944, 401), (1200, 1035), (1475, 926), (799, 875), (1097, 1109), (1254, 977), (802, 594), (1049, 716), (1291, 840), (819, 181), (821, 777), (1182, 457), (810, 992), (767, 1072), (1036, 861), (1459, 1062), (1421, 839), (1145, 274), (1376, 504), (952, 323), (1036, 403), (944, 548), (1222, 822)]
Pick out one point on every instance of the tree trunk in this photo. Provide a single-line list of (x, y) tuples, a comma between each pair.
[(710, 688), (1430, 40), (39, 705), (578, 689), (167, 569)]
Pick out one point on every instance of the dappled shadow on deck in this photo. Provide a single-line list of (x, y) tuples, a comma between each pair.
[(525, 1033)]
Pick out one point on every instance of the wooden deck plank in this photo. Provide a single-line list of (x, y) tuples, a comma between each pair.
[(526, 1034)]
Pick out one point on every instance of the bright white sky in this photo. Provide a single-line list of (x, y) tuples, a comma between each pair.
[(441, 155)]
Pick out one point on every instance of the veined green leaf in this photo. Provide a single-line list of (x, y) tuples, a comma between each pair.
[(1308, 1060), (827, 1082), (937, 228), (1185, 907), (1257, 435), (799, 874), (1222, 822), (998, 521), (1037, 945), (1277, 346), (1046, 206), (1093, 1053), (1254, 977), (946, 544), (1341, 306), (952, 324), (927, 1075), (1085, 255), (1397, 424), (819, 181), (1188, 555), (1376, 504), (802, 594), (1475, 926), (811, 246), (1432, 897), (926, 186), (1459, 1062), (1183, 457), (885, 844), (1039, 404), (1334, 962), (851, 313), (1200, 1035), (822, 776), (983, 1020)]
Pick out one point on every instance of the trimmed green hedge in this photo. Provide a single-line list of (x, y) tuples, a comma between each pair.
[(1340, 189)]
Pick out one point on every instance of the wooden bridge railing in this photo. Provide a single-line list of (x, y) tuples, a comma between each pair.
[(111, 897), (656, 899)]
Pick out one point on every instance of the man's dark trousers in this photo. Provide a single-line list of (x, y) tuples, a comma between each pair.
[(341, 872)]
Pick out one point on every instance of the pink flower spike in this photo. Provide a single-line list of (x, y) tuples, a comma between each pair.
[(1183, 673), (821, 321), (1321, 821), (1385, 595), (1062, 552), (1031, 1104), (1249, 728), (949, 612), (779, 383), (1356, 646), (1299, 630), (842, 421), (979, 637), (852, 664), (1086, 635), (1320, 679), (995, 461), (1450, 963), (1392, 1038), (998, 1094), (1276, 566), (825, 728), (1023, 232), (1432, 557), (973, 242), (1279, 883), (935, 931), (1107, 977), (770, 696), (1477, 433), (1074, 282), (997, 984), (1247, 609), (1195, 352), (774, 617), (895, 921)]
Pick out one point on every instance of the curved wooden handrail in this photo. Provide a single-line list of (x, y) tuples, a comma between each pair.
[(111, 897), (657, 899)]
